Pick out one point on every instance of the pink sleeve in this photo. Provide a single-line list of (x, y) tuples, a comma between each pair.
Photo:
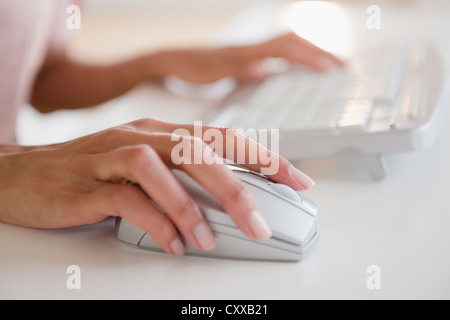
[(61, 32)]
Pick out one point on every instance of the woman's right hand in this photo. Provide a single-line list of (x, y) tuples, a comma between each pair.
[(82, 182)]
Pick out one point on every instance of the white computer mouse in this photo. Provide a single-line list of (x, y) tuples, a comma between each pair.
[(290, 215)]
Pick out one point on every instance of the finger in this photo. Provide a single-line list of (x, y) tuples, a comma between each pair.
[(261, 159), (233, 144), (128, 202), (235, 198), (252, 72), (231, 192), (142, 165), (306, 53), (319, 60), (299, 50), (228, 143)]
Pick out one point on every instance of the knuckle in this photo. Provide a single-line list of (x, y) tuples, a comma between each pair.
[(237, 192), (234, 133), (116, 136), (141, 156), (122, 196), (143, 123), (185, 207), (196, 142), (196, 148), (112, 134), (236, 136), (163, 231), (119, 130)]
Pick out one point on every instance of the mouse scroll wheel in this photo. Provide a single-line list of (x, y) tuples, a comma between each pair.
[(285, 191)]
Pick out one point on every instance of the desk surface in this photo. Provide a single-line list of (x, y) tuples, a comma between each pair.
[(400, 225)]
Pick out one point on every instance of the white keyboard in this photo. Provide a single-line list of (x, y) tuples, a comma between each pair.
[(381, 102)]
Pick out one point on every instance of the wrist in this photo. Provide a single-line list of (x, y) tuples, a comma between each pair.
[(7, 155), (7, 149), (157, 65), (5, 167)]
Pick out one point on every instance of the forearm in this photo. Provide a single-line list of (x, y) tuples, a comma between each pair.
[(7, 172), (6, 149), (67, 84)]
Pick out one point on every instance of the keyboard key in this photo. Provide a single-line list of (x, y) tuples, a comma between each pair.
[(382, 79), (355, 116), (368, 94)]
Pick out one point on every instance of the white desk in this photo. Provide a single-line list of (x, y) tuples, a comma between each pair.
[(400, 225)]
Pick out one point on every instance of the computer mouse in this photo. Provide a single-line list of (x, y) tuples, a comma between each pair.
[(290, 215)]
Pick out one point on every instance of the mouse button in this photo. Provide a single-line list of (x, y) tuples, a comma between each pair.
[(245, 171), (298, 233), (310, 206), (286, 191), (233, 243), (127, 232), (268, 249), (272, 242), (287, 221), (217, 216), (149, 244), (201, 197), (311, 234), (231, 247), (253, 178)]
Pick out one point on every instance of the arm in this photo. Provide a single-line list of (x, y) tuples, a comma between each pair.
[(81, 182), (6, 149), (66, 84)]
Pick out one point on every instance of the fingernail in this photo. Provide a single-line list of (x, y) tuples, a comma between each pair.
[(177, 247), (259, 226), (302, 178), (204, 237)]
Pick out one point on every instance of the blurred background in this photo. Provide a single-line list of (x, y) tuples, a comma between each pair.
[(112, 30), (142, 25), (400, 224)]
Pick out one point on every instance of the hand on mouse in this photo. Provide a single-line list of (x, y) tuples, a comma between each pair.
[(86, 180)]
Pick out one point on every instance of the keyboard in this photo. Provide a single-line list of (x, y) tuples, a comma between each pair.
[(387, 99)]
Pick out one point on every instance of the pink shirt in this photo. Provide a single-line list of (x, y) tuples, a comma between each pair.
[(29, 30)]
